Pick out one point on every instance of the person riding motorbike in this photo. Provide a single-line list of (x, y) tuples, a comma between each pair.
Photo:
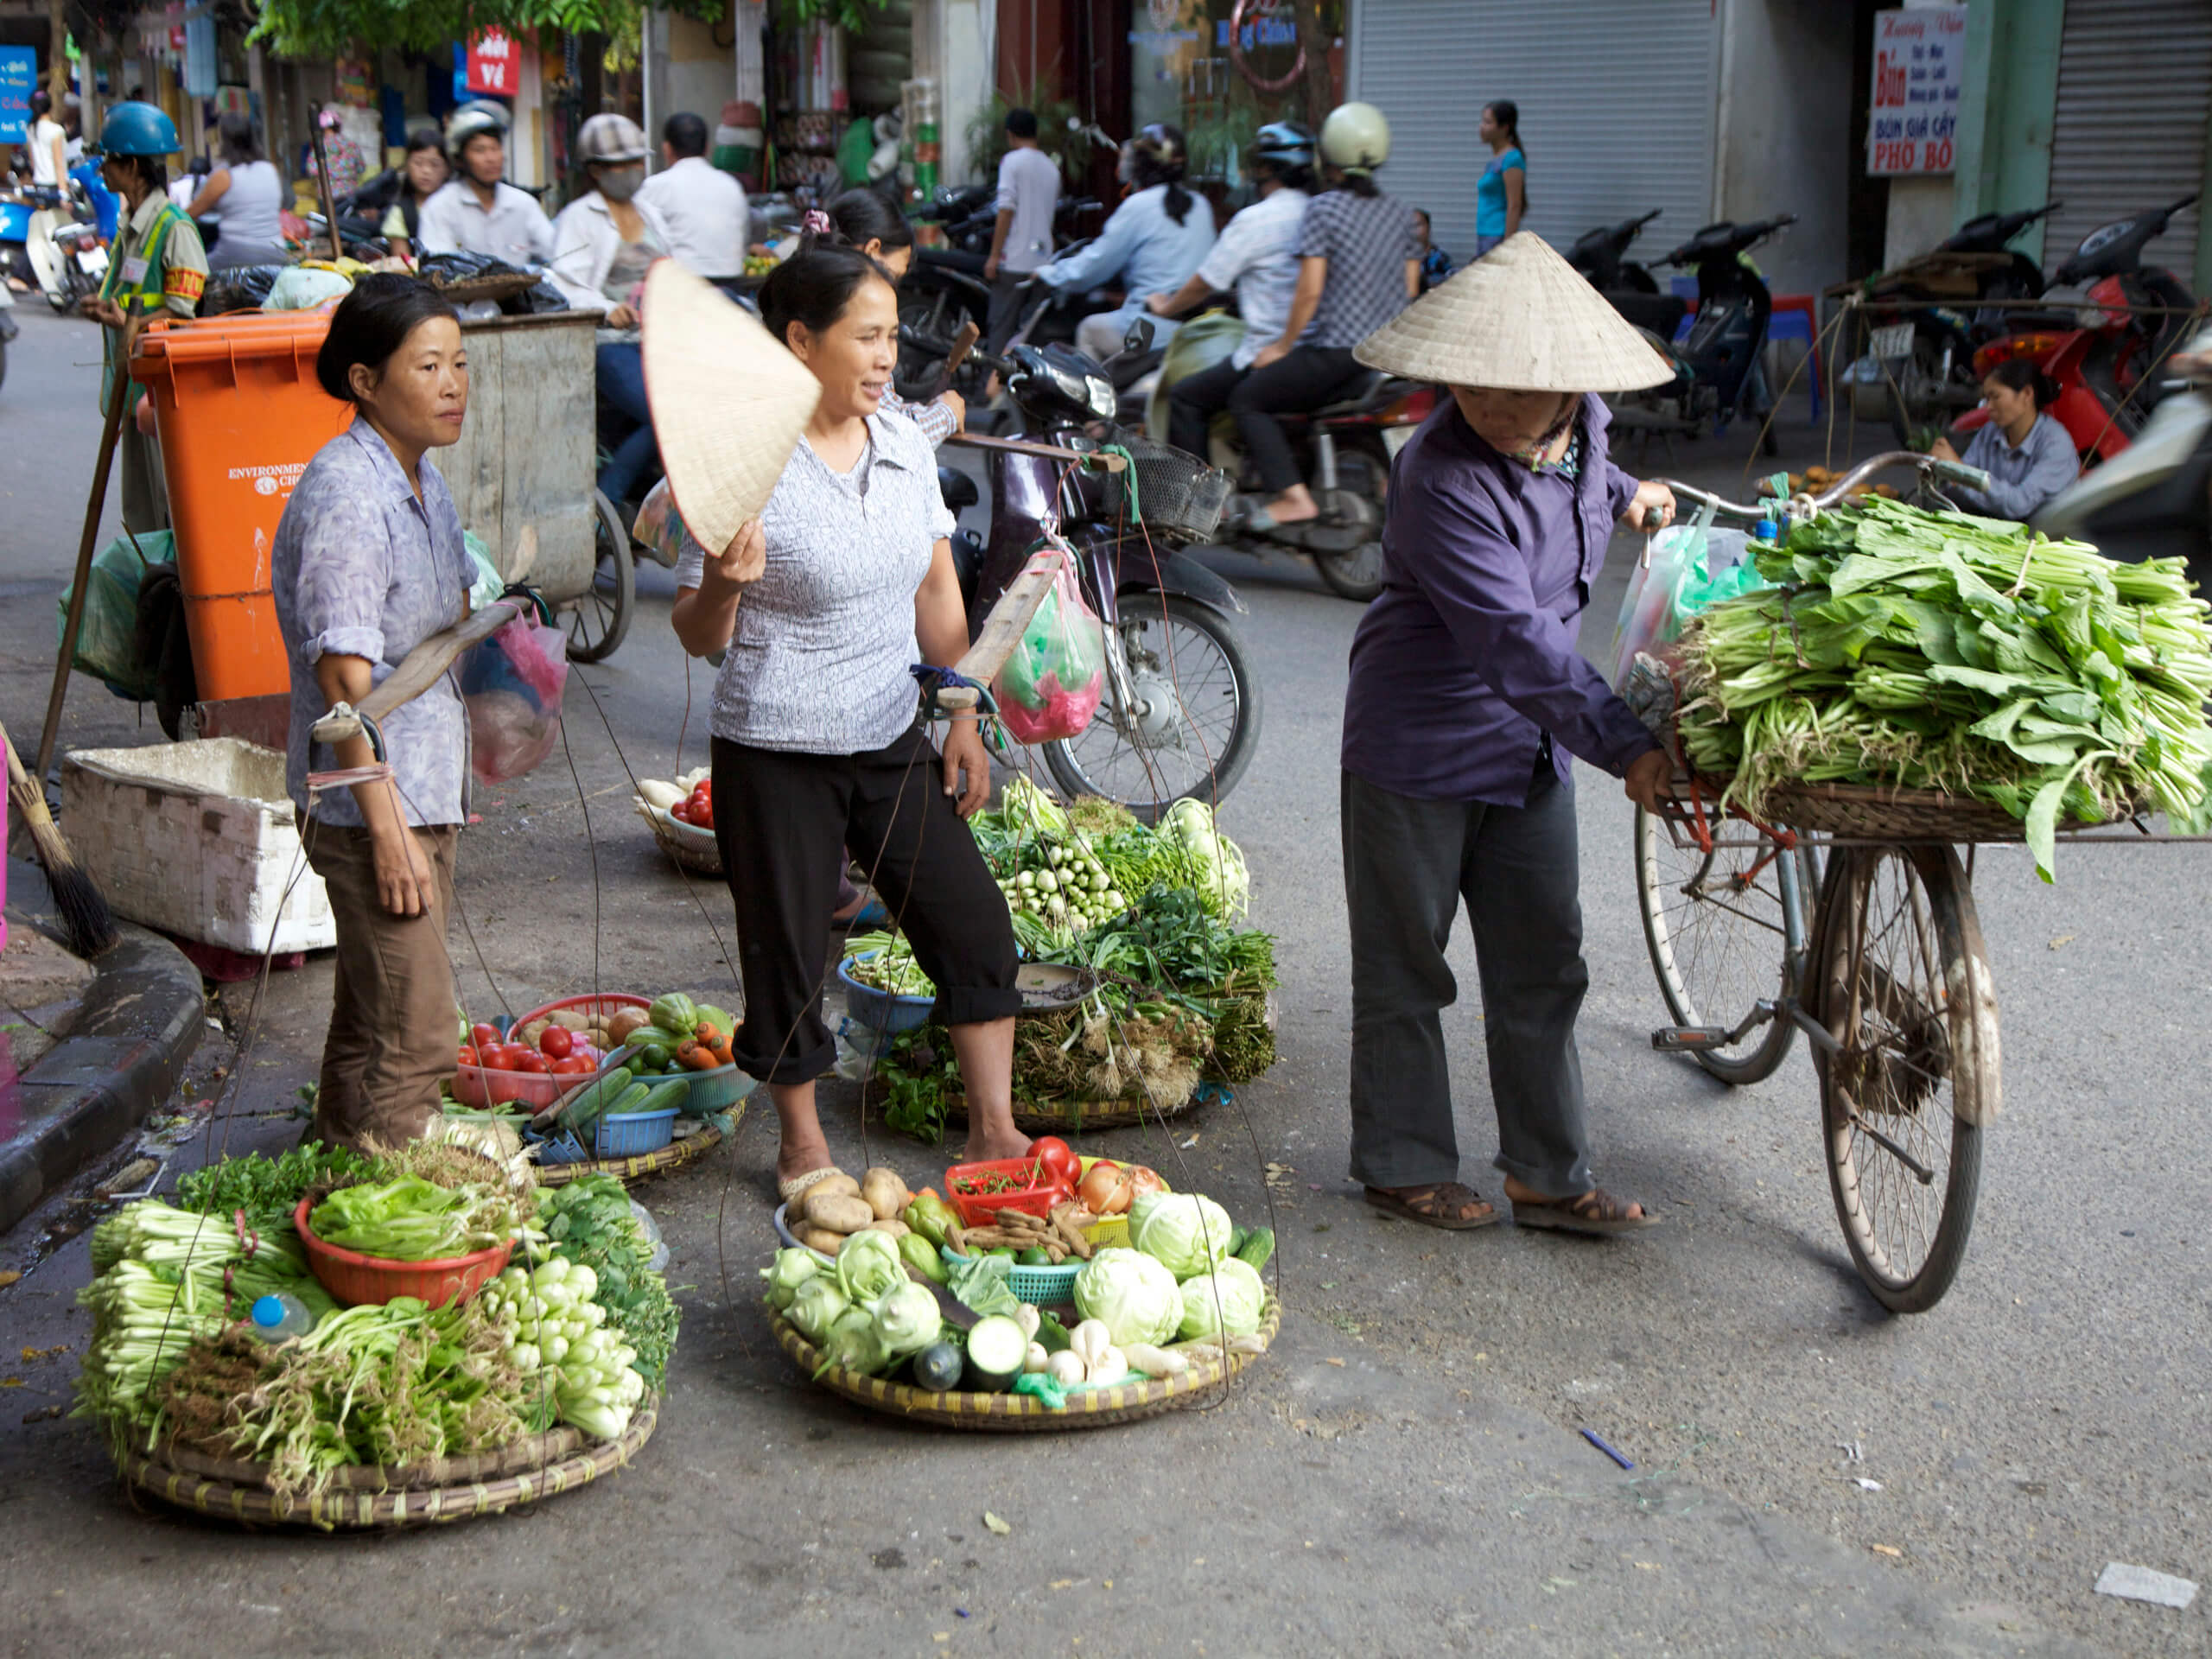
[(395, 199), (158, 264), (1151, 243), (478, 212), (246, 193), (1257, 257), (603, 243), (1359, 262)]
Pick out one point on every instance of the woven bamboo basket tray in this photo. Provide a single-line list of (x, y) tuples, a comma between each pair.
[(1075, 1116), (1017, 1414), (674, 1155), (446, 1490), (499, 286), (1884, 813), (695, 849)]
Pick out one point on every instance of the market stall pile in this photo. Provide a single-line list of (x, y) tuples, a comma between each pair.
[(1940, 652), (1007, 1308), (215, 1349), (1151, 913)]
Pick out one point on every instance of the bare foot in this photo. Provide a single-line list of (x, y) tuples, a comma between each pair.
[(802, 1154), (1294, 507), (982, 1148)]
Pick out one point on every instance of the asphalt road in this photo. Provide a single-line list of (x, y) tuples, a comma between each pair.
[(1401, 1472)]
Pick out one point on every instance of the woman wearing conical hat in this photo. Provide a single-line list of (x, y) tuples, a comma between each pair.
[(1467, 700)]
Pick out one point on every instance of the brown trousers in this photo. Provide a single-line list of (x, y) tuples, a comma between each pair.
[(391, 1017)]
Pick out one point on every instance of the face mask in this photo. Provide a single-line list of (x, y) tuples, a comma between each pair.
[(620, 184)]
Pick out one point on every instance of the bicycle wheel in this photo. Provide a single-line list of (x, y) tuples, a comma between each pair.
[(601, 615), (1902, 983), (1725, 930)]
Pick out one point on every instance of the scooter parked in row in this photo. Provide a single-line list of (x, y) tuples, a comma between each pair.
[(1344, 451), (2110, 365), (1180, 715), (1602, 258), (62, 242)]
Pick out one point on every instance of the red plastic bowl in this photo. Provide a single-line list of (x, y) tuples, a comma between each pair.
[(608, 1003), (483, 1086), (977, 1209), (354, 1279)]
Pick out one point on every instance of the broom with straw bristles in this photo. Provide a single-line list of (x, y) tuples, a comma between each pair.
[(84, 912)]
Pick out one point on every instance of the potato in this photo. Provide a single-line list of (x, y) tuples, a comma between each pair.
[(818, 1238), (839, 1212), (625, 1021), (569, 1019), (839, 1182), (889, 1224), (530, 1033), (599, 1037), (885, 1193)]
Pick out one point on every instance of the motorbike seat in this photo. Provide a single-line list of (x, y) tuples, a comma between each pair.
[(957, 488), (1355, 397)]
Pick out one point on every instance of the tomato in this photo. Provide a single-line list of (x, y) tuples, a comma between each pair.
[(535, 1065), (1062, 1167), (508, 1057), (484, 1037), (557, 1042), (575, 1066), (467, 1058)]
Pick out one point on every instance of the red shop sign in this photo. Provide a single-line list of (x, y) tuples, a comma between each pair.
[(495, 64)]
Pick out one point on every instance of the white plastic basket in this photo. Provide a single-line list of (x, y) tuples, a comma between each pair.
[(198, 840)]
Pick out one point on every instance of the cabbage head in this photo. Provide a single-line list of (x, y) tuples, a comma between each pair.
[(816, 1306), (1227, 1302), (1186, 1232), (907, 1320), (1133, 1294), (869, 1265)]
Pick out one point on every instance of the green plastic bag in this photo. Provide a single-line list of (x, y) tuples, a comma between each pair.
[(1052, 684), (107, 638)]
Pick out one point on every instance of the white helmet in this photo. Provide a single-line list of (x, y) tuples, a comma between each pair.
[(1356, 138), (611, 138), (471, 119)]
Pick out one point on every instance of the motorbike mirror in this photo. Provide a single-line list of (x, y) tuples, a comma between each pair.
[(1139, 339)]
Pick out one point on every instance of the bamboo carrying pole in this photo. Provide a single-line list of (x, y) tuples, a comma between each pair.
[(418, 672), (95, 504)]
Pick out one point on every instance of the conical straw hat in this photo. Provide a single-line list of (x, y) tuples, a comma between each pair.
[(728, 402), (1521, 319)]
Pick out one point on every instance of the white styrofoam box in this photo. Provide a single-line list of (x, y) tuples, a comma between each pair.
[(199, 839)]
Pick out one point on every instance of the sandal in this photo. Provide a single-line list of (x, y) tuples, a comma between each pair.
[(1596, 1213), (1437, 1205), (795, 1189)]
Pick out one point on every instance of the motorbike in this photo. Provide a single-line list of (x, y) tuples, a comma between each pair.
[(1343, 449), (1717, 374), (2155, 500), (1602, 258), (63, 244), (2107, 362), (946, 287), (1180, 716), (1925, 350)]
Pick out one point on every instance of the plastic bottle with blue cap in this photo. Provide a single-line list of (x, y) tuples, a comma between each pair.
[(279, 1317)]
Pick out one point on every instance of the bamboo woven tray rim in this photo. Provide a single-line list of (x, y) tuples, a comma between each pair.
[(344, 1509), (1084, 1115), (531, 1452), (1020, 1413), (499, 286), (674, 1155), (676, 839), (1892, 812)]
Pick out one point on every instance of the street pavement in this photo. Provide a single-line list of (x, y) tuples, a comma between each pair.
[(1402, 1472)]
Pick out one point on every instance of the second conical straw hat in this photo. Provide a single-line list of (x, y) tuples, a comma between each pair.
[(1521, 319), (728, 402)]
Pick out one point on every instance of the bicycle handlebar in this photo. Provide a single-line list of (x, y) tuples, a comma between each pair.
[(1953, 472)]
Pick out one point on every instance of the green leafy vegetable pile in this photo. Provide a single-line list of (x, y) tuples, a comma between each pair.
[(588, 1221), (1939, 650)]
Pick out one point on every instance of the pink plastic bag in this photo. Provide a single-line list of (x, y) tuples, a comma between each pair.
[(1052, 684), (512, 683)]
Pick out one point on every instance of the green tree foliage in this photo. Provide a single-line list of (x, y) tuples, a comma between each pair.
[(332, 27)]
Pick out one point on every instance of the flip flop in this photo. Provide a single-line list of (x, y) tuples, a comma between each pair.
[(792, 1190), (1596, 1213), (1432, 1206)]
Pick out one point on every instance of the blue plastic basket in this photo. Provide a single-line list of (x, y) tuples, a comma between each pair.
[(880, 1011), (563, 1148), (1044, 1287), (15, 222), (635, 1132)]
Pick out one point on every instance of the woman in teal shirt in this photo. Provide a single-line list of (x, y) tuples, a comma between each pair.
[(1502, 193)]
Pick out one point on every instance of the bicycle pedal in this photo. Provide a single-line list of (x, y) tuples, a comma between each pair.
[(1681, 1039)]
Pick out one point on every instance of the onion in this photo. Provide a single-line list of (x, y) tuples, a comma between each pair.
[(1106, 1188)]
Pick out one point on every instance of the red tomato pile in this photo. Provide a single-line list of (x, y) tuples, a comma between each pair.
[(560, 1053), (699, 810)]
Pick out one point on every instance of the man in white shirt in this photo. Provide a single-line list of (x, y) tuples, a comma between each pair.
[(1257, 256), (702, 206), (1021, 240), (478, 212), (49, 143)]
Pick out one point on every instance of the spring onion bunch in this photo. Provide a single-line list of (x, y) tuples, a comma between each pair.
[(1941, 651), (556, 1329)]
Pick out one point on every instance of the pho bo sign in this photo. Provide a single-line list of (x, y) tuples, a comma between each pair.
[(1918, 57)]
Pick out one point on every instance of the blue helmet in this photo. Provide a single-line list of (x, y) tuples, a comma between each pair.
[(137, 129), (1284, 143)]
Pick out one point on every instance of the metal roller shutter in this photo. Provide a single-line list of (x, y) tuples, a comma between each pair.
[(2135, 94), (1599, 147)]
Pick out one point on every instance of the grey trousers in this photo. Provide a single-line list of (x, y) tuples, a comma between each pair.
[(1408, 864)]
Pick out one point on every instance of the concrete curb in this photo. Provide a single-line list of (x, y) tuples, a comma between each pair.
[(140, 1020)]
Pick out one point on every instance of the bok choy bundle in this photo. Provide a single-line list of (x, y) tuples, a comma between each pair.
[(1941, 651)]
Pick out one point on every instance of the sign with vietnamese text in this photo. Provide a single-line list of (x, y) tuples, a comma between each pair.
[(495, 64), (1918, 55), (18, 81)]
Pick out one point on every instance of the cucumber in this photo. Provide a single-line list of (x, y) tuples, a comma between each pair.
[(1237, 1237), (996, 1348), (938, 1367), (591, 1099), (1258, 1248), (632, 1099), (665, 1093)]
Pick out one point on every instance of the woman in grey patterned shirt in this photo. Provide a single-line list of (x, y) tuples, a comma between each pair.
[(847, 580)]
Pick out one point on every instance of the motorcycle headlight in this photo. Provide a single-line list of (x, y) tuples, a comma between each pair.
[(1100, 392)]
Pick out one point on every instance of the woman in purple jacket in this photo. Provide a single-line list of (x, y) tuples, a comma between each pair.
[(1468, 698)]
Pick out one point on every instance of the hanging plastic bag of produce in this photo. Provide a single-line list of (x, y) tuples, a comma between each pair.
[(1051, 685), (1693, 567), (511, 683)]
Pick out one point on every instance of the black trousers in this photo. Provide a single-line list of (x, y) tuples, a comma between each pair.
[(1305, 379), (1192, 403), (1409, 865), (784, 821), (1005, 310)]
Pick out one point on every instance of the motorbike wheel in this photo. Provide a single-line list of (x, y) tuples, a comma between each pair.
[(1359, 574), (601, 616), (1202, 719)]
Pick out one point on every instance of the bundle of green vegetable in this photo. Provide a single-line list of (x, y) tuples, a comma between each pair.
[(411, 1219), (590, 1222), (886, 961), (268, 1189), (1943, 652), (556, 1332)]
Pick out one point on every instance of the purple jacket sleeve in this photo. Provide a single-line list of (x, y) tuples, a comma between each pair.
[(1479, 583), (1620, 488)]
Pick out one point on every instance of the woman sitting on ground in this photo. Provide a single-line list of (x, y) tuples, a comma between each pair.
[(2028, 456)]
